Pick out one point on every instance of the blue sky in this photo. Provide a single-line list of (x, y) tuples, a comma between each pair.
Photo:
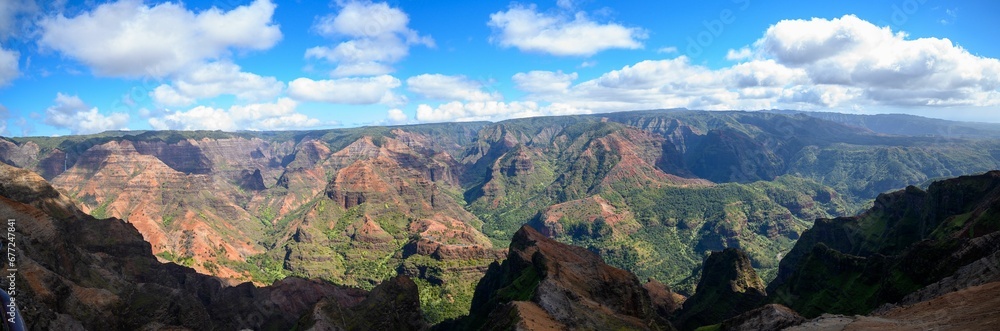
[(83, 67)]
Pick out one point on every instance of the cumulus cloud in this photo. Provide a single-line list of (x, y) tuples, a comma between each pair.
[(8, 66), (12, 13), (741, 54), (130, 39), (531, 31), (543, 82), (882, 67), (491, 111), (844, 63), (4, 116), (396, 116), (353, 91), (377, 37), (214, 79), (70, 112), (668, 83), (444, 87), (279, 115)]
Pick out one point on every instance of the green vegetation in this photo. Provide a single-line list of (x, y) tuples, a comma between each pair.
[(184, 260), (910, 239), (101, 212)]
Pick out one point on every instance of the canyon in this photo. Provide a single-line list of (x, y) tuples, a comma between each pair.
[(650, 192)]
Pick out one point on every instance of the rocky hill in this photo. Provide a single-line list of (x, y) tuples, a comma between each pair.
[(728, 286), (545, 284)]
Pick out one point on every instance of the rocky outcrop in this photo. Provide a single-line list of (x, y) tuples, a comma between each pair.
[(665, 301), (982, 271), (393, 305), (973, 308), (521, 316), (728, 286), (28, 187), (13, 154), (592, 217), (252, 180), (770, 317), (561, 286)]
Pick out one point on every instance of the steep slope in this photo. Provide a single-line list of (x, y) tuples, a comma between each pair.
[(78, 272), (972, 308), (392, 305), (767, 317), (908, 240), (547, 284), (728, 286), (191, 214)]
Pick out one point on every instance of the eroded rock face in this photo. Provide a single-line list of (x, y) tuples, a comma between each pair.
[(665, 301), (728, 286), (982, 271), (767, 317), (393, 305), (564, 284), (973, 308), (178, 213), (78, 272)]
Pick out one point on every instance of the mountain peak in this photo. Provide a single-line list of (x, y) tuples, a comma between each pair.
[(570, 285), (729, 286)]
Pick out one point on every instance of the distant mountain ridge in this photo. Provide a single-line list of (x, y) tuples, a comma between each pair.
[(906, 125), (925, 259)]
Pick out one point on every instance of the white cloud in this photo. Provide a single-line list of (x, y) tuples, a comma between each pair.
[(741, 54), (664, 84), (437, 86), (531, 31), (13, 16), (396, 116), (491, 111), (667, 50), (279, 115), (377, 35), (881, 66), (4, 116), (840, 64), (544, 82), (10, 12), (214, 79), (8, 66), (168, 96), (71, 113), (127, 38), (355, 91)]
